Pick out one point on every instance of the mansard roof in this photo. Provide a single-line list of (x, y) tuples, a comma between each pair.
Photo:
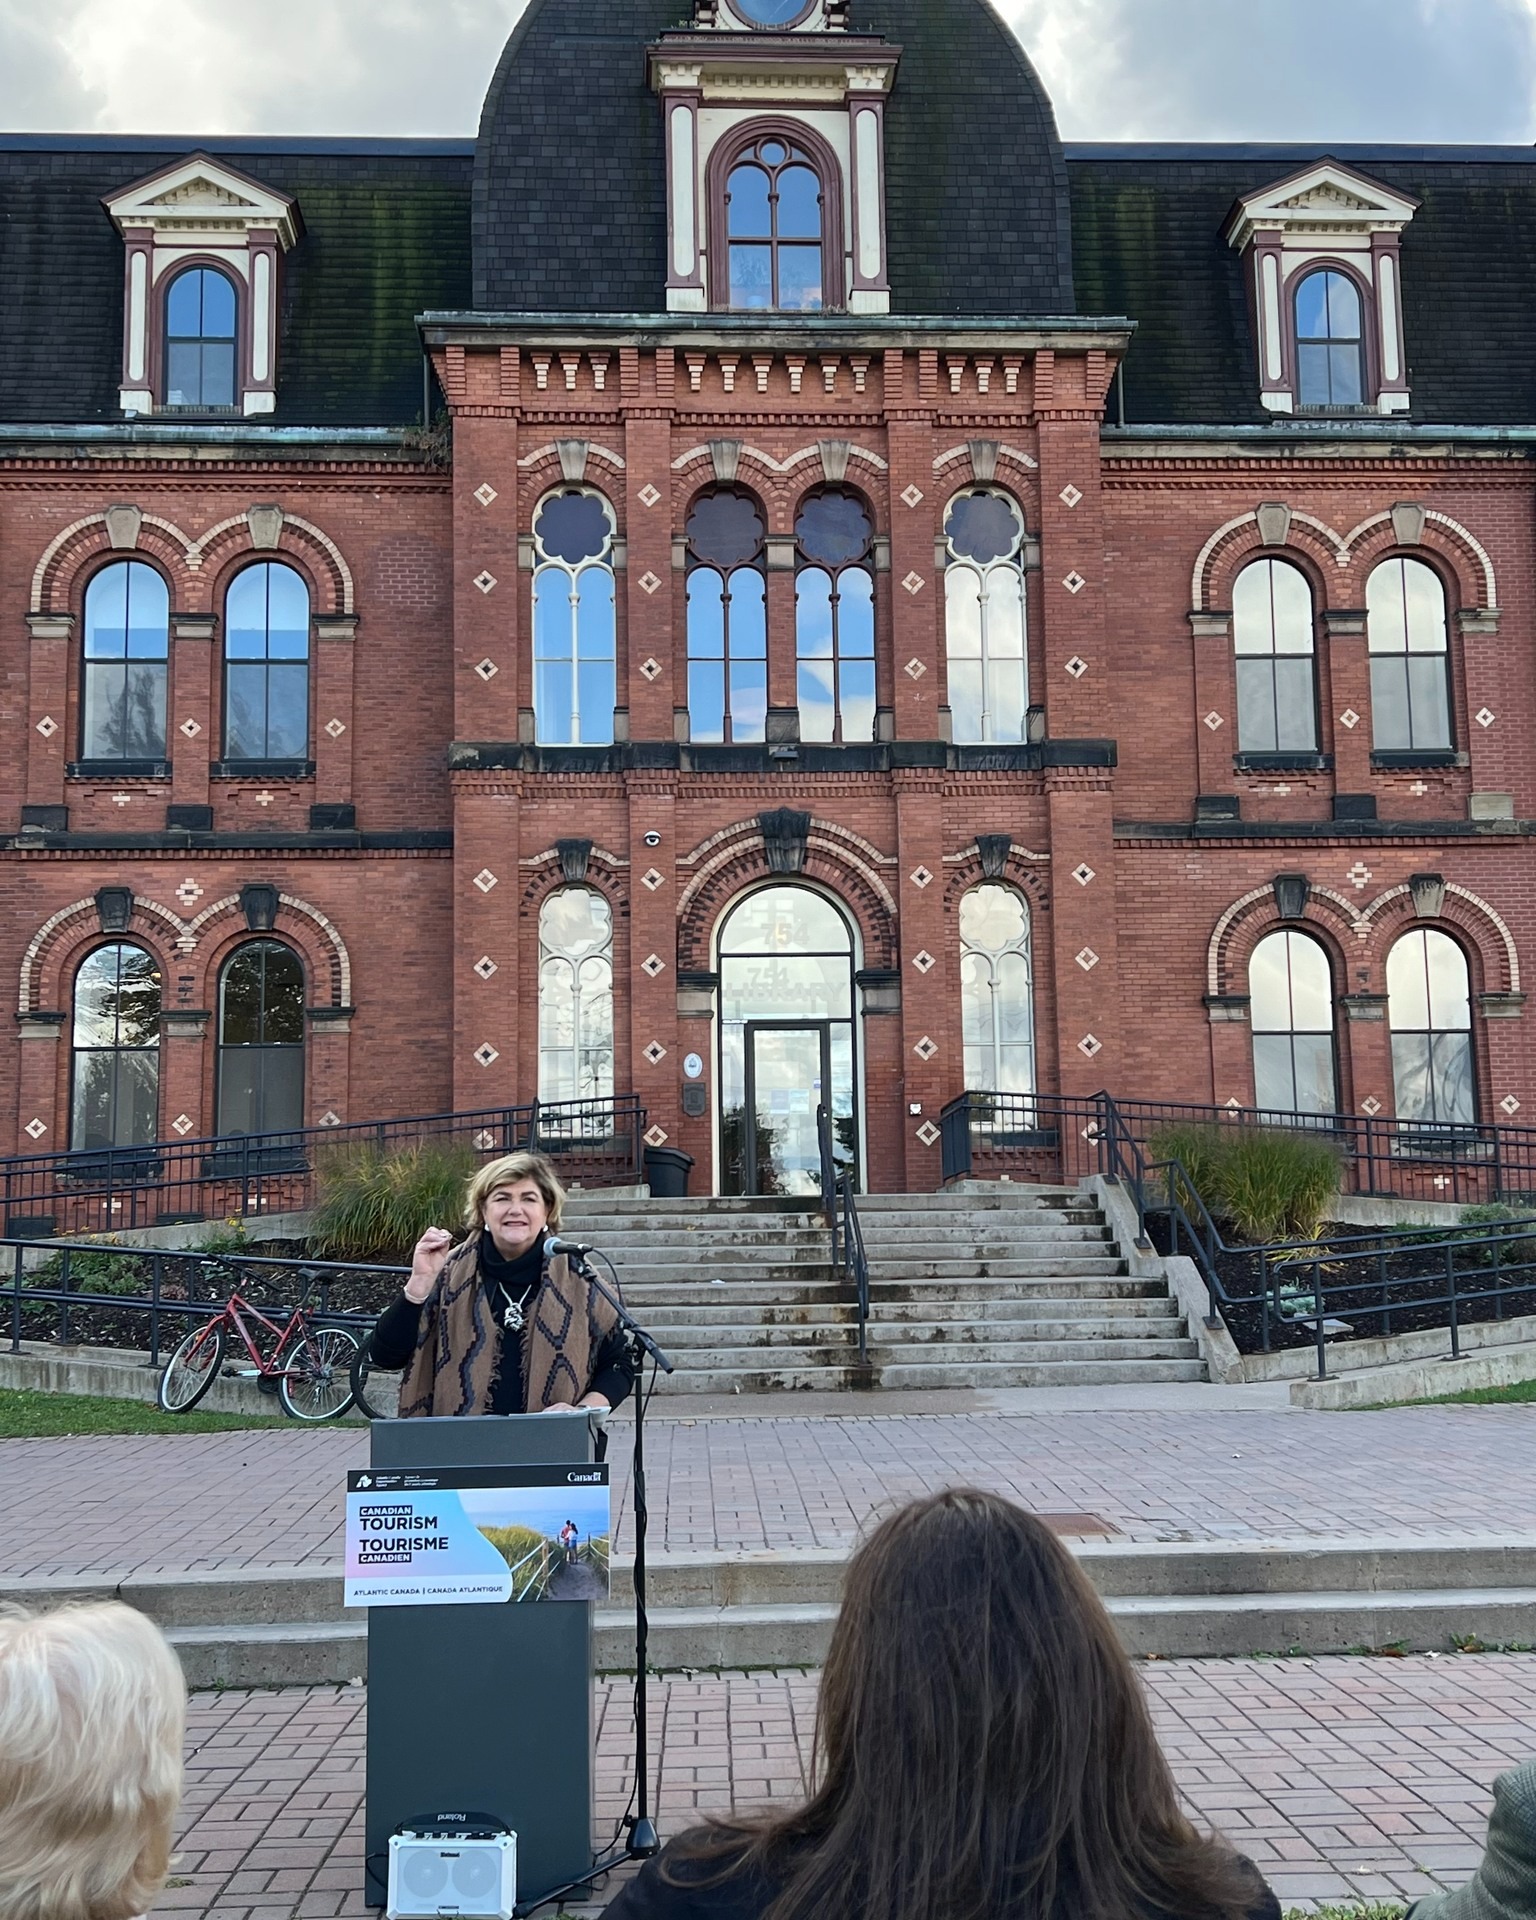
[(1150, 239), (570, 213)]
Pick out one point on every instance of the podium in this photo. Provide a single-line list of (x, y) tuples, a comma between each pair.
[(483, 1709)]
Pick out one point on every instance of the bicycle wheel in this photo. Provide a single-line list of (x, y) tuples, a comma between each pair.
[(318, 1382), (375, 1391), (192, 1368)]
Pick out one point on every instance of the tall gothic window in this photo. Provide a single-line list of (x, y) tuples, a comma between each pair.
[(835, 618), (1330, 341), (1410, 658), (266, 665), (1429, 1003), (261, 1040), (126, 664), (997, 991), (576, 996), (574, 620), (116, 1093), (727, 618), (985, 620), (775, 229), (200, 356), (1273, 635), (1291, 988)]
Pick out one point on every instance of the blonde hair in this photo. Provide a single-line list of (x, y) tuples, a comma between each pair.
[(92, 1715), (505, 1173)]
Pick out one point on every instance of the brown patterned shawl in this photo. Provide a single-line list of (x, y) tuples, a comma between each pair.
[(458, 1349)]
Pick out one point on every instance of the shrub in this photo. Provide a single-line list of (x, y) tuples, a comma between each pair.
[(1519, 1249), (1199, 1149), (372, 1205), (1273, 1185)]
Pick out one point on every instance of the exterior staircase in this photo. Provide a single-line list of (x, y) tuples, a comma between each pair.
[(1019, 1287)]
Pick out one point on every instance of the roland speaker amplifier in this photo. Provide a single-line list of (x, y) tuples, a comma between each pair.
[(464, 1865)]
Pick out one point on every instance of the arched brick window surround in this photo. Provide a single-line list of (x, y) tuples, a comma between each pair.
[(727, 152)]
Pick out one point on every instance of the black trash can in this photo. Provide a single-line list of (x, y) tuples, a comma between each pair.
[(666, 1172)]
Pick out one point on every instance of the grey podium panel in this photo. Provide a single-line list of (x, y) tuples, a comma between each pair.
[(483, 1709)]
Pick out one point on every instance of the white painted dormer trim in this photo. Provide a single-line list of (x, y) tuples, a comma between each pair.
[(1326, 216), (201, 212)]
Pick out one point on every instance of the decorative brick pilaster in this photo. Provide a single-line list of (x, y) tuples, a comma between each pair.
[(491, 950), (1084, 920), (194, 702), (930, 999), (49, 733), (184, 1074), (656, 614), (916, 581), (656, 1049), (490, 591), (335, 722)]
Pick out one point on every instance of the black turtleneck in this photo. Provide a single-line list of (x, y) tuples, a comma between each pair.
[(399, 1328)]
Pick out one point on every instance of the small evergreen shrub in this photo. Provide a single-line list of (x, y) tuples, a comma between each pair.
[(1274, 1185), (373, 1205)]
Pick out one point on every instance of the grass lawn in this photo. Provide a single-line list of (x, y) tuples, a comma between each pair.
[(33, 1416), (1521, 1390)]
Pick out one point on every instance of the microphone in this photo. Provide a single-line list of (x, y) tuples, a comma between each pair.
[(572, 1249)]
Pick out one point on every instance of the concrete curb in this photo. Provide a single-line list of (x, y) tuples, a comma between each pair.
[(1504, 1366), (110, 1373)]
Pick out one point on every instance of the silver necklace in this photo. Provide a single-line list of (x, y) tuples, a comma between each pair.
[(516, 1316)]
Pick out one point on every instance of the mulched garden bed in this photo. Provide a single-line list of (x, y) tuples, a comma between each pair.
[(1411, 1287)]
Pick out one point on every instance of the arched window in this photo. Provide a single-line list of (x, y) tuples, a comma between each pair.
[(266, 665), (997, 992), (116, 1096), (574, 631), (1291, 988), (1410, 658), (835, 618), (576, 996), (727, 618), (1429, 1003), (126, 660), (775, 229), (1330, 341), (200, 311), (261, 1040), (985, 619), (1273, 636)]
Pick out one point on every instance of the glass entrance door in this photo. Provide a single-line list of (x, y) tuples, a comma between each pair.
[(788, 1071)]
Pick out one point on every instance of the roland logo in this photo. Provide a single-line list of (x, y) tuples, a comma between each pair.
[(451, 1819), (584, 1479)]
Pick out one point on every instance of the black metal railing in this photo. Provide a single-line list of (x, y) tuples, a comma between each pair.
[(850, 1259), (82, 1292), (1049, 1137), (244, 1176)]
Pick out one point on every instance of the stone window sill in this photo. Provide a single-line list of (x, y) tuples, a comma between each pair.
[(1391, 761), (118, 770), (1284, 762), (262, 770)]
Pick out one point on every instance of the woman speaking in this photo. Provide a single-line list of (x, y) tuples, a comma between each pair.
[(492, 1326)]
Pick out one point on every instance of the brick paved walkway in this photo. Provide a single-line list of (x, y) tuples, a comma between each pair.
[(1343, 1779), (108, 1506)]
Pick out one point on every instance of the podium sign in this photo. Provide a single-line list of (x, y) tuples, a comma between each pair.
[(484, 1707)]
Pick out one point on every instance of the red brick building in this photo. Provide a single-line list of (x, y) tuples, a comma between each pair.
[(764, 578)]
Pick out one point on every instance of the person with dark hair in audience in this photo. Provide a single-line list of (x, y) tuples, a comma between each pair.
[(984, 1751)]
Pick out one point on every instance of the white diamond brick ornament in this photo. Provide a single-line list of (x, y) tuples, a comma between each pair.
[(1074, 582), (1370, 1107), (182, 1124), (330, 1118), (1360, 876), (657, 1137), (914, 496), (486, 582), (929, 1134), (1087, 959), (1090, 1046), (653, 881), (485, 1140), (649, 496), (487, 495), (487, 670), (655, 967), (1486, 718), (486, 967), (924, 962), (190, 728), (1077, 667), (655, 1053), (651, 670), (915, 669), (487, 1055), (925, 1048), (1349, 719), (485, 880), (650, 582), (922, 879), (1511, 1106), (189, 893), (1071, 496), (914, 584), (35, 1130), (1215, 722), (1084, 875), (335, 728), (47, 726)]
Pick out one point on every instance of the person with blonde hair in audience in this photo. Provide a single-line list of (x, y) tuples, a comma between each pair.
[(92, 1714)]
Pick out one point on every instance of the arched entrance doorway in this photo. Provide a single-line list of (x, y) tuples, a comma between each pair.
[(788, 1040)]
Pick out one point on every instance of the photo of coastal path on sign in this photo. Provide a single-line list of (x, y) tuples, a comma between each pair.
[(483, 1536)]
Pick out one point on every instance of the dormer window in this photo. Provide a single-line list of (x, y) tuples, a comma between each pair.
[(202, 249), (773, 220), (773, 13), (1323, 256)]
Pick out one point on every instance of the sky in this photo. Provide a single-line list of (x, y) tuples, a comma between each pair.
[(1336, 70)]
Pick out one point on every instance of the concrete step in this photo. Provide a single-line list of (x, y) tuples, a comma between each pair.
[(893, 1334), (724, 1348)]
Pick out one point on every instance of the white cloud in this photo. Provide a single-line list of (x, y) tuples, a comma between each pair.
[(1340, 70)]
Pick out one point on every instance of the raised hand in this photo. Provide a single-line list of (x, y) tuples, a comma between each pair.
[(427, 1263)]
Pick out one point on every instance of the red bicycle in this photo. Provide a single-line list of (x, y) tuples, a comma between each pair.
[(311, 1366)]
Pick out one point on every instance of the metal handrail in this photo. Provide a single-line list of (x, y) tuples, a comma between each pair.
[(839, 1199)]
